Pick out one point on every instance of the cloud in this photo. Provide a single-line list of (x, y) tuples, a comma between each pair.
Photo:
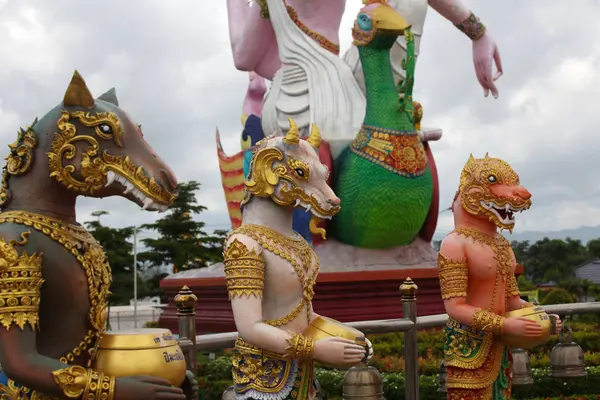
[(172, 67)]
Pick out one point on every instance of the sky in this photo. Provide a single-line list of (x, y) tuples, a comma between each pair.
[(172, 67)]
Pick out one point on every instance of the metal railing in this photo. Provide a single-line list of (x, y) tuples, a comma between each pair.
[(129, 319), (409, 325)]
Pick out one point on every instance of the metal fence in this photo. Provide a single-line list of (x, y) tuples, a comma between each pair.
[(123, 320), (409, 325)]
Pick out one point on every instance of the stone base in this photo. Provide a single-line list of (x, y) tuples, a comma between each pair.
[(335, 256), (339, 257)]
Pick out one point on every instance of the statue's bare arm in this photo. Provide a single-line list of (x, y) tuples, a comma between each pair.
[(485, 50), (512, 290), (453, 10), (454, 273), (22, 363), (253, 41), (246, 294)]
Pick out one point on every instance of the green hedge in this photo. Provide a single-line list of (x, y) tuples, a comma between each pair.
[(213, 384), (215, 376)]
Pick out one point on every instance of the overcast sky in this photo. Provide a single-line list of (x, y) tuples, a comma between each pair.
[(171, 64)]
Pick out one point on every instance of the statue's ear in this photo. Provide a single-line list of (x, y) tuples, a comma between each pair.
[(78, 94), (110, 97)]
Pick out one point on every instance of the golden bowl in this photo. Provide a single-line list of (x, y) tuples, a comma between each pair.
[(323, 327), (537, 314), (148, 351)]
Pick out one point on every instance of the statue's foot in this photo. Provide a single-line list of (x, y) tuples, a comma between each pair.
[(339, 257)]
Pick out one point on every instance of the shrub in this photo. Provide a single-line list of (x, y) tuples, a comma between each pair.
[(215, 376), (558, 296)]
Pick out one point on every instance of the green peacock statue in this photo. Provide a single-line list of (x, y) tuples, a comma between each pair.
[(384, 177)]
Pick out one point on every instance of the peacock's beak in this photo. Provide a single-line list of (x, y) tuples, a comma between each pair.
[(387, 20)]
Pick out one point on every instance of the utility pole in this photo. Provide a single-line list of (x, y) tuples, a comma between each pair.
[(135, 277)]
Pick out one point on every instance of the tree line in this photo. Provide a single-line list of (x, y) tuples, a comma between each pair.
[(180, 242)]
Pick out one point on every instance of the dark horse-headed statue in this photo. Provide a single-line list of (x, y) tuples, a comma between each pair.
[(54, 277)]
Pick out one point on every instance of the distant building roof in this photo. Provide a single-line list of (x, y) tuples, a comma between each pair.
[(550, 284), (590, 271)]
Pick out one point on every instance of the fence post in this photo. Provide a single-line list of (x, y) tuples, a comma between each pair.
[(185, 302), (408, 289)]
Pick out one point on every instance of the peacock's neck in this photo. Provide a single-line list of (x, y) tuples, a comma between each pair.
[(381, 91)]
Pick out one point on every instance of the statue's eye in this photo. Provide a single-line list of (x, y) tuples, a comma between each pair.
[(300, 172), (106, 129), (364, 22), (492, 179)]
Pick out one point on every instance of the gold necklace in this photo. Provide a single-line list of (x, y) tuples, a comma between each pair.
[(501, 248), (290, 250), (90, 255)]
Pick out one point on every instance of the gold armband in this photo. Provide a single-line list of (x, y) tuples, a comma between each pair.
[(512, 287), (244, 270), (300, 347), (454, 277), (264, 8), (487, 321), (20, 285), (78, 382), (472, 27)]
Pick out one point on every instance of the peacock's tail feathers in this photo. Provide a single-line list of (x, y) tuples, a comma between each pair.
[(232, 179)]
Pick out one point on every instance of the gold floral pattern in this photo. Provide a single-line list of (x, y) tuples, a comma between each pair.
[(465, 347), (254, 368), (400, 152), (90, 255), (454, 277), (78, 382), (512, 287), (20, 285), (244, 271), (13, 391), (95, 163)]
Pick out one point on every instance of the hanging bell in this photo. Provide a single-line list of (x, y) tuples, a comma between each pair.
[(566, 358), (521, 368), (442, 388), (228, 394), (362, 382)]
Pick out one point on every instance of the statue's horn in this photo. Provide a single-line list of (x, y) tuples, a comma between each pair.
[(292, 136), (78, 94), (487, 155), (314, 139)]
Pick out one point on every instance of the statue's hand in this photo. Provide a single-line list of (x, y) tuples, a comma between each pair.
[(147, 388), (339, 351), (522, 327), (190, 386), (485, 54), (369, 352), (557, 323)]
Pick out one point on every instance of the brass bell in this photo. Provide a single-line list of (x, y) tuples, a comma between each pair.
[(442, 388), (228, 394), (566, 358), (362, 382), (521, 368)]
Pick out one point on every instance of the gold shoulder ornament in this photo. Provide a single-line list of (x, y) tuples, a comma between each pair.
[(20, 285), (512, 287), (77, 382), (454, 277), (244, 270)]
